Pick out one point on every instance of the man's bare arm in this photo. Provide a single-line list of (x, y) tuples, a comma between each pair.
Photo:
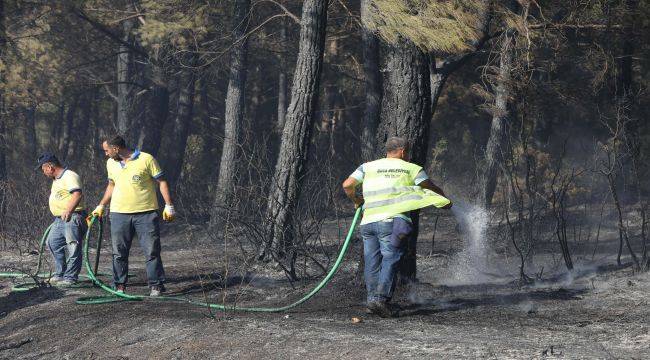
[(106, 199), (164, 191)]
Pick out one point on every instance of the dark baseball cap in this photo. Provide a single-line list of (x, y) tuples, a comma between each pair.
[(46, 157)]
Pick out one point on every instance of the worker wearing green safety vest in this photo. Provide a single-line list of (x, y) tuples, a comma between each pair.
[(391, 188)]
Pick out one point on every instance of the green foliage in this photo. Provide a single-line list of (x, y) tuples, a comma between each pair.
[(181, 23), (440, 26), (32, 66)]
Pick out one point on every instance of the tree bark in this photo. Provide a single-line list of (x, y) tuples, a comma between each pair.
[(296, 136), (157, 110), (210, 129), (180, 129), (3, 147), (31, 147), (69, 129), (406, 112), (282, 81), (126, 78), (498, 127), (438, 78), (372, 84), (234, 117), (80, 130)]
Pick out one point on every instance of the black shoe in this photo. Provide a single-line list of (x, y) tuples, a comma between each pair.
[(381, 308)]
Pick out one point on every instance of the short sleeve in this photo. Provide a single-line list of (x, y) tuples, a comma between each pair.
[(73, 182), (358, 174), (420, 177), (109, 171), (154, 169)]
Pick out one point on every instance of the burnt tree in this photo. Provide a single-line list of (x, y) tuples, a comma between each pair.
[(372, 86), (406, 112), (3, 45), (126, 80), (282, 81), (234, 116), (498, 127), (181, 123), (296, 135), (157, 105)]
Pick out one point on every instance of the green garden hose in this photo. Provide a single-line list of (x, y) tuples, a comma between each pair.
[(36, 275), (119, 296), (25, 286)]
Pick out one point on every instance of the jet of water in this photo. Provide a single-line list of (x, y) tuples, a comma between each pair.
[(470, 266)]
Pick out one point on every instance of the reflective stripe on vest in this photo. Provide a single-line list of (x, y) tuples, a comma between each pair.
[(389, 190)]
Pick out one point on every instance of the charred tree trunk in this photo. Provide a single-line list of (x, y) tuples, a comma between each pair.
[(234, 117), (499, 119), (80, 130), (178, 136), (157, 110), (406, 112), (3, 147), (282, 81), (32, 140), (126, 78), (372, 84), (623, 233), (69, 129), (210, 129), (296, 136), (438, 76)]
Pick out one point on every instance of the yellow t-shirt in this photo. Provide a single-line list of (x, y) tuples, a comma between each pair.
[(62, 188), (135, 183)]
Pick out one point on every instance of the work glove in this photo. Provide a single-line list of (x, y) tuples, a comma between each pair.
[(98, 213), (358, 203), (169, 214)]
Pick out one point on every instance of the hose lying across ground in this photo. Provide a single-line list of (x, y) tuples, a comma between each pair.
[(29, 285), (119, 296), (37, 274)]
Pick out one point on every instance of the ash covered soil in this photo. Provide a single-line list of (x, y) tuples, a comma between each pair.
[(599, 311)]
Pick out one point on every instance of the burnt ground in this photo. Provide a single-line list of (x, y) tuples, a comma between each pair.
[(600, 311)]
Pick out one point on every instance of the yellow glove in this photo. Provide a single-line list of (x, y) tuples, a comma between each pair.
[(98, 212), (169, 214)]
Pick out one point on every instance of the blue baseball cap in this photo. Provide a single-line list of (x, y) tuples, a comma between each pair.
[(46, 157)]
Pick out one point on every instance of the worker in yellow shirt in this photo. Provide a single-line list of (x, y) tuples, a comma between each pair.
[(391, 188), (69, 227), (131, 192)]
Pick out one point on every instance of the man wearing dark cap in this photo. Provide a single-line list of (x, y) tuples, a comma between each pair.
[(69, 227)]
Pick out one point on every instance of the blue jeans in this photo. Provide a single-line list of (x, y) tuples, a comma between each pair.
[(67, 237), (146, 226), (382, 250)]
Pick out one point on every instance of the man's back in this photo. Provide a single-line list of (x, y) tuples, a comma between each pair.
[(388, 173)]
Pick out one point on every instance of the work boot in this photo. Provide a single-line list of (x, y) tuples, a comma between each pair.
[(120, 288), (156, 290), (381, 308)]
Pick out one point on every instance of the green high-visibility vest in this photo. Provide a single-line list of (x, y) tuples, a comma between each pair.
[(389, 189)]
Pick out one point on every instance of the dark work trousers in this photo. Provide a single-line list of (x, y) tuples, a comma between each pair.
[(146, 226)]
